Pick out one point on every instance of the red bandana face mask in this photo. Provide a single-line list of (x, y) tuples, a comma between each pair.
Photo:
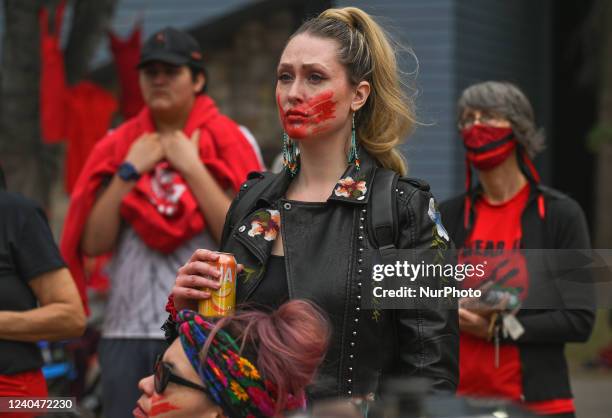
[(488, 146)]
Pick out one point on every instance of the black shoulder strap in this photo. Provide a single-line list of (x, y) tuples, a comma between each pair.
[(247, 197), (383, 219)]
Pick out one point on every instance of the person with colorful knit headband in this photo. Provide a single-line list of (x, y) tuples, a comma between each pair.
[(252, 364)]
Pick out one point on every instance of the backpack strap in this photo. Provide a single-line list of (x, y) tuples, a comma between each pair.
[(383, 211), (249, 193)]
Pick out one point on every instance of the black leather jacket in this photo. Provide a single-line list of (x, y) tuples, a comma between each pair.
[(327, 247)]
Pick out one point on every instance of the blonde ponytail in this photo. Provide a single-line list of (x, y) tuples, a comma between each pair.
[(365, 50)]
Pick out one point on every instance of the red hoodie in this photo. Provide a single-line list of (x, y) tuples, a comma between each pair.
[(161, 219)]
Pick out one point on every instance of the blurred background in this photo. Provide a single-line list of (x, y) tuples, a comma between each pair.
[(559, 53)]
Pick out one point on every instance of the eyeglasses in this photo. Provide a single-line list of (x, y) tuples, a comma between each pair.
[(485, 118), (163, 375)]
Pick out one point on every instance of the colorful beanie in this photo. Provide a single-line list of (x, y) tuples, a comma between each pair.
[(232, 380)]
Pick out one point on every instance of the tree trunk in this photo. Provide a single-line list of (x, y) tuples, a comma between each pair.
[(28, 165), (603, 226), (89, 25)]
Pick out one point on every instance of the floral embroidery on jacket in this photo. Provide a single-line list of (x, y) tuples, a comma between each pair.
[(434, 215), (266, 222), (440, 239), (376, 312), (249, 273), (350, 188)]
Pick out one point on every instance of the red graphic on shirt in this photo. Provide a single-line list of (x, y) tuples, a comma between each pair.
[(505, 272), (167, 189), (307, 118)]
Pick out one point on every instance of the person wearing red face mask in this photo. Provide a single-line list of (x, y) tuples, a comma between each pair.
[(304, 232), (512, 353)]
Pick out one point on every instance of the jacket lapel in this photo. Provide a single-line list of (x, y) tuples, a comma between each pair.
[(355, 184), (257, 232)]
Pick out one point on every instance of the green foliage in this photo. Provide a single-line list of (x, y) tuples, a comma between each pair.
[(599, 135)]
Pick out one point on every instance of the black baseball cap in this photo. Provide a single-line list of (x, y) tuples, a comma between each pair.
[(174, 47)]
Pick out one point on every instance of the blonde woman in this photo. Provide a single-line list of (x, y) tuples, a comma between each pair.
[(304, 233)]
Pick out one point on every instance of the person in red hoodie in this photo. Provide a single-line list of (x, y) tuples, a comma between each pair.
[(152, 191)]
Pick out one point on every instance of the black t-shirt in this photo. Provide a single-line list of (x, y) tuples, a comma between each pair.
[(27, 250), (272, 291)]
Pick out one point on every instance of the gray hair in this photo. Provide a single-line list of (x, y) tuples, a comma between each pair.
[(510, 102)]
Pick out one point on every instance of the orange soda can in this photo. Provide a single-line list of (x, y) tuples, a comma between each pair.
[(222, 301)]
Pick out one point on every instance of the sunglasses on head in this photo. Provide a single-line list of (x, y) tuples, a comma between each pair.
[(163, 375)]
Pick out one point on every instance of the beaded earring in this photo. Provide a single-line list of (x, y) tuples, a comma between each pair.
[(353, 153), (289, 155)]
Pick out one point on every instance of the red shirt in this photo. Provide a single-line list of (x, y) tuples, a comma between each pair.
[(496, 233)]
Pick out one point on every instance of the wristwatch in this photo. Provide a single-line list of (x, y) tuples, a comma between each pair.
[(127, 172)]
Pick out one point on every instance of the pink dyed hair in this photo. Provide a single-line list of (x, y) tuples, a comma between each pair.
[(289, 344)]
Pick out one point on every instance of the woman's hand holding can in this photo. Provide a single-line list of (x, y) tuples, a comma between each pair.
[(199, 273)]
